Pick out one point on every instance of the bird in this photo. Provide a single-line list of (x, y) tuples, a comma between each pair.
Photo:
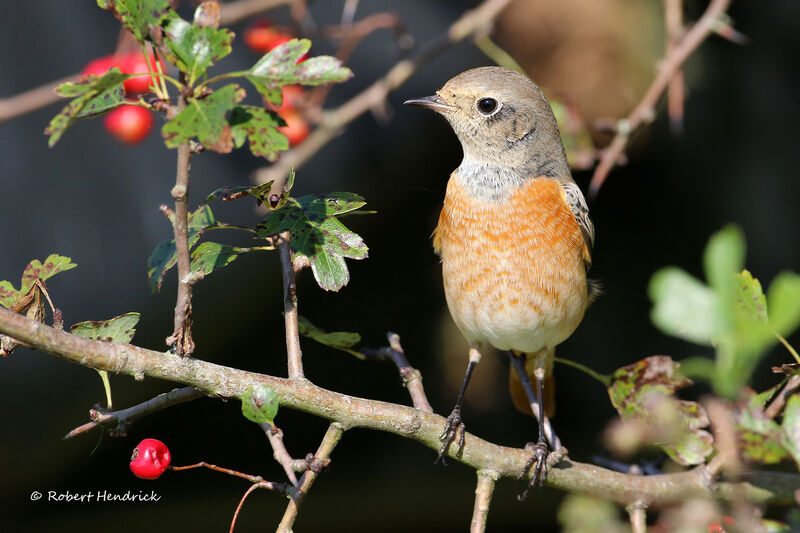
[(514, 238)]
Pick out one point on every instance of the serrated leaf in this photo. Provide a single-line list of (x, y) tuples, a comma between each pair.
[(91, 95), (34, 270), (205, 119), (685, 307), (260, 404), (791, 427), (138, 15), (783, 298), (338, 239), (210, 256), (644, 391), (279, 67), (758, 437), (165, 256), (260, 127), (195, 48), (750, 297), (118, 329), (329, 270), (341, 340)]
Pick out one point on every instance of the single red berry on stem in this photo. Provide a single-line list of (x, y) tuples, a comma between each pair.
[(129, 124), (296, 128), (149, 459)]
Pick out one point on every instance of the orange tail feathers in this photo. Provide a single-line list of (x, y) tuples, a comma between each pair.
[(518, 395)]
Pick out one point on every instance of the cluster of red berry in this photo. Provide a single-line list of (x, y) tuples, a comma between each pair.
[(261, 36), (129, 124)]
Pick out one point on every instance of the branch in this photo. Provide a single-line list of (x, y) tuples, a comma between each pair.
[(412, 378), (676, 93), (644, 111), (124, 417), (281, 454), (638, 516), (293, 352), (483, 497), (777, 405), (232, 12), (351, 412), (329, 442), (333, 121)]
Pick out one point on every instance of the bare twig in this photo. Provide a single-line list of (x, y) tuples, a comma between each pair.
[(638, 515), (32, 99), (124, 417), (673, 17), (329, 442), (247, 493), (722, 425), (281, 454), (372, 97), (412, 378), (483, 497), (777, 405), (348, 411), (235, 12), (293, 352), (645, 110), (271, 485)]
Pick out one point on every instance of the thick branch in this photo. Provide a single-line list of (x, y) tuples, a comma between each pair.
[(122, 419), (483, 497), (645, 109), (374, 95), (350, 412)]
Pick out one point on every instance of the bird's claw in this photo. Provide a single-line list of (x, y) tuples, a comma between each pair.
[(453, 427), (539, 457)]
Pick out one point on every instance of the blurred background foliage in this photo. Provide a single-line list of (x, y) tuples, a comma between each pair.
[(97, 202)]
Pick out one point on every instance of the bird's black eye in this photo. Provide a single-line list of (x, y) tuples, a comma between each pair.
[(487, 106)]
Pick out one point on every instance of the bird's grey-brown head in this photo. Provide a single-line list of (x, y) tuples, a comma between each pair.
[(502, 119)]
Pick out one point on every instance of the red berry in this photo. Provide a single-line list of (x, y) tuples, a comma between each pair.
[(150, 458), (129, 124), (99, 66), (258, 35), (296, 128), (292, 95), (135, 63)]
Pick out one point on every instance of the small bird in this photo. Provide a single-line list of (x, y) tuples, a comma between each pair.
[(514, 237)]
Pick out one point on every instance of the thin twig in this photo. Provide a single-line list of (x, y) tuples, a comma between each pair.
[(329, 442), (638, 515), (483, 497), (777, 405), (412, 378), (676, 92), (32, 99), (293, 353), (247, 493), (761, 487), (234, 12), (271, 485), (124, 417), (372, 97), (281, 454), (722, 425), (645, 109)]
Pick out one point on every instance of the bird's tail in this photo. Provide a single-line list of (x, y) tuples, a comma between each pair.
[(518, 392)]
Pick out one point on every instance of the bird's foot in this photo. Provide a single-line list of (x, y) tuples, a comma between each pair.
[(454, 427), (539, 453)]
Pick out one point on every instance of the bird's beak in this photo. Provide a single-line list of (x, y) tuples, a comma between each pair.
[(435, 103)]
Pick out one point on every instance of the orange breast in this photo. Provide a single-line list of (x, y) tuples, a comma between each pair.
[(513, 270)]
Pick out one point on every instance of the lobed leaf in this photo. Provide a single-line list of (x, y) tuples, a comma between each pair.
[(341, 340), (205, 119), (195, 48), (260, 127), (750, 298), (784, 303), (280, 67), (210, 256), (260, 404), (118, 329), (138, 15), (34, 270), (758, 437)]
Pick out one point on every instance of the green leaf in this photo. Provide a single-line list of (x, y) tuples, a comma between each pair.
[(260, 127), (579, 513), (318, 235), (211, 256), (138, 15), (784, 303), (195, 48), (341, 340), (644, 391), (118, 329), (750, 297), (260, 192), (91, 95), (758, 438), (684, 307), (791, 427), (165, 256), (34, 270), (260, 404), (723, 258), (205, 119), (279, 67)]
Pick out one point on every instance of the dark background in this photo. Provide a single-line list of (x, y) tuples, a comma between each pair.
[(95, 201)]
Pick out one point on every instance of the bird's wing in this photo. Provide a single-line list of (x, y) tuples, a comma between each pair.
[(577, 203)]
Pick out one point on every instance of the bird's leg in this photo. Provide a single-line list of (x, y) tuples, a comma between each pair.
[(546, 433), (454, 424)]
